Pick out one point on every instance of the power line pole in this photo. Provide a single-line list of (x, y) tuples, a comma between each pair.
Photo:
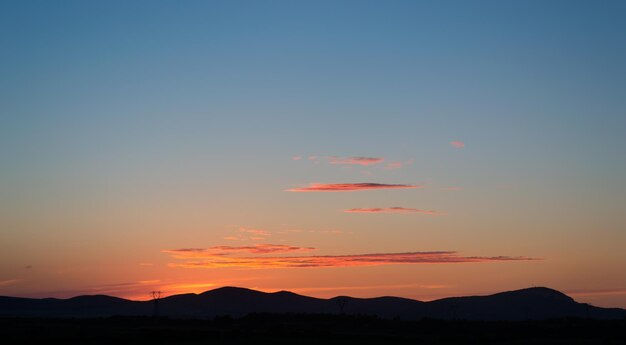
[(156, 296)]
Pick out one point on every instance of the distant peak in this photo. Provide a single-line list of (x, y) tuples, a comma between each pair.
[(284, 292), (230, 290), (540, 291)]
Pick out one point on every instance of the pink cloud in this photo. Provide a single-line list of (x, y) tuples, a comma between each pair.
[(349, 187), (220, 251), (436, 257), (355, 160), (458, 144), (296, 158), (402, 210)]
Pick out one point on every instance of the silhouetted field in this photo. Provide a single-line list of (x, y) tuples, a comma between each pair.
[(308, 329)]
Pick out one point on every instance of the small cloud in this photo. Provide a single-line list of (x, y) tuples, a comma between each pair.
[(257, 232), (355, 160), (231, 238), (349, 187), (401, 210), (312, 157), (145, 264), (398, 165), (457, 144), (435, 257), (296, 158)]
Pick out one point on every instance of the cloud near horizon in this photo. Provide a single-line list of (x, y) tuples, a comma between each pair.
[(355, 160), (349, 187), (220, 251), (401, 210), (435, 257)]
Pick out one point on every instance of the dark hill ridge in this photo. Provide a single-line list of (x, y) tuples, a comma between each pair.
[(526, 304)]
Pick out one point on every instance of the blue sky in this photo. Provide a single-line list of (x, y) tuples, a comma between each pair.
[(201, 105)]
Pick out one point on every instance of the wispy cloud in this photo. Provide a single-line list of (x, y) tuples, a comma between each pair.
[(457, 144), (9, 282), (436, 257), (349, 187), (219, 251), (452, 188), (257, 232), (296, 158), (355, 160), (402, 210)]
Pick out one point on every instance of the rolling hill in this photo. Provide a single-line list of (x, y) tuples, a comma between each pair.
[(536, 303)]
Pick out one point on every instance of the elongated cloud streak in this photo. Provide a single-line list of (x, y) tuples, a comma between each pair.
[(349, 187), (211, 252), (436, 257), (402, 210), (355, 160)]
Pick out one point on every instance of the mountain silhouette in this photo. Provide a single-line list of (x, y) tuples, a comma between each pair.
[(536, 303)]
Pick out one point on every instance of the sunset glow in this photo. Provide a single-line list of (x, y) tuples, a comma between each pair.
[(419, 149)]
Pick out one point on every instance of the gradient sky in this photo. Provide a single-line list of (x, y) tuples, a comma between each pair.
[(410, 148)]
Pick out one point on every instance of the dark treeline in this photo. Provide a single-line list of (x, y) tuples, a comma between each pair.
[(308, 329)]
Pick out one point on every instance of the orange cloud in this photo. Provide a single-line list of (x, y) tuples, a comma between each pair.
[(355, 160), (436, 257), (458, 144), (402, 210), (219, 251), (348, 187)]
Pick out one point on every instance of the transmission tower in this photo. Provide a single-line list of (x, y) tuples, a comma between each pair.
[(156, 296)]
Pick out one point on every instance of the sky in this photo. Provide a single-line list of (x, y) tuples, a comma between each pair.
[(421, 149)]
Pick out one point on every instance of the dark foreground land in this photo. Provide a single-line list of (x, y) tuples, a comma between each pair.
[(307, 329)]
